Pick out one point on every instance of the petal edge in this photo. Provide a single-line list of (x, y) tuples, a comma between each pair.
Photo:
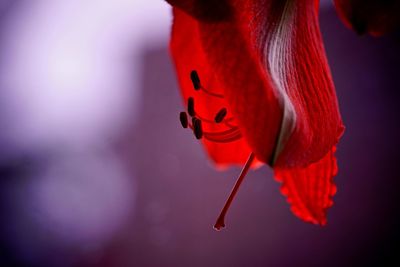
[(309, 190)]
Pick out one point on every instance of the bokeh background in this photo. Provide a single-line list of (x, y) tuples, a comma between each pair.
[(95, 169)]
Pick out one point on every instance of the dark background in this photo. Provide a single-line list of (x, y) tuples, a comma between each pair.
[(178, 194)]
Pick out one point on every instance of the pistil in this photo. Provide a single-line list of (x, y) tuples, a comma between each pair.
[(221, 218)]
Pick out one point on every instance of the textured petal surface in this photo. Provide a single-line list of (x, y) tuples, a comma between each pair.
[(373, 16), (227, 65), (188, 54), (309, 190), (295, 58), (267, 59)]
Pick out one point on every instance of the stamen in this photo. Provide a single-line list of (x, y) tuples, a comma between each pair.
[(190, 107), (220, 115), (226, 139), (226, 136), (227, 123), (226, 132), (197, 128), (213, 121), (194, 76), (221, 218), (184, 119), (211, 93), (195, 80)]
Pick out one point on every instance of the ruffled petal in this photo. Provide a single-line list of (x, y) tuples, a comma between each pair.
[(373, 16), (309, 190)]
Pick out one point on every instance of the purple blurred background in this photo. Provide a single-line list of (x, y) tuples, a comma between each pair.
[(95, 169)]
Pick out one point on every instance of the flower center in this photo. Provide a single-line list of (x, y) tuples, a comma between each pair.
[(232, 133)]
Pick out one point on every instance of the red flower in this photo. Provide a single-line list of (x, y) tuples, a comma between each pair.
[(255, 78), (373, 16)]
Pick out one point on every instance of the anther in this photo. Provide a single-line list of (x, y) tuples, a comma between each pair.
[(195, 80), (184, 119), (220, 115), (197, 128), (190, 106)]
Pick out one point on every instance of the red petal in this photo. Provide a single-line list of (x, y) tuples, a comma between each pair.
[(267, 58), (374, 16), (188, 54), (297, 62), (309, 190), (205, 10)]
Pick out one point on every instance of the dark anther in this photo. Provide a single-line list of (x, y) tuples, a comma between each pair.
[(197, 129), (190, 107), (184, 119), (220, 115), (195, 80)]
